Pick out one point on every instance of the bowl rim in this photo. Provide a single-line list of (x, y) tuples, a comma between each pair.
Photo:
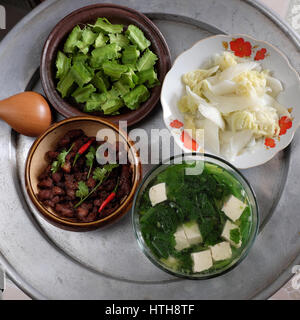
[(132, 116), (151, 256), (234, 36), (120, 211)]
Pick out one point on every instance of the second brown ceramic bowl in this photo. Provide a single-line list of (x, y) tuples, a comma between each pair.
[(115, 14), (36, 163)]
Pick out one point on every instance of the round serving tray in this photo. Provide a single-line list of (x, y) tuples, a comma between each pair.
[(50, 263)]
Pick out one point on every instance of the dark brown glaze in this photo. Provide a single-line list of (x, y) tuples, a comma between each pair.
[(115, 14)]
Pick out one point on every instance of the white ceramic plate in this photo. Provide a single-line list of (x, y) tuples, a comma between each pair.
[(271, 58)]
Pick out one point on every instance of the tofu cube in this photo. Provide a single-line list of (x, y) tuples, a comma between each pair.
[(158, 193), (233, 208), (202, 260), (181, 240), (221, 251), (226, 233), (192, 232)]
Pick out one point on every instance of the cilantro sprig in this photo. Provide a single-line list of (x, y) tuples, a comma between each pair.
[(90, 156), (100, 175), (60, 159), (82, 190)]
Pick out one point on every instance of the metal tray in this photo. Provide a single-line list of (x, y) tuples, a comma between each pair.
[(50, 263)]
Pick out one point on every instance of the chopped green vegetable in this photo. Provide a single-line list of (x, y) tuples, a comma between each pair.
[(82, 190), (114, 69), (83, 94), (101, 82), (130, 78), (121, 87), (148, 77), (106, 67), (130, 55), (65, 85), (72, 40), (63, 64), (101, 40), (134, 98), (79, 57), (92, 106), (95, 101), (81, 73), (102, 54), (112, 94), (88, 37), (119, 39), (146, 61), (136, 36), (112, 105), (103, 25)]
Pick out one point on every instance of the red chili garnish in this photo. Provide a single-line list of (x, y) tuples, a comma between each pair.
[(260, 54), (269, 142), (176, 124), (188, 142), (82, 149), (241, 48), (109, 198)]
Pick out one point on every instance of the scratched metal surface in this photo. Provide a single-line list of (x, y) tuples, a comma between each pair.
[(49, 263)]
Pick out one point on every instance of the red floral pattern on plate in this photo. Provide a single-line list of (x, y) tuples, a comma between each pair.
[(270, 143), (241, 48), (260, 54), (176, 124), (285, 123)]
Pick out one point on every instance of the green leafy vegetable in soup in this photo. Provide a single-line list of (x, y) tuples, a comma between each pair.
[(195, 223), (99, 59)]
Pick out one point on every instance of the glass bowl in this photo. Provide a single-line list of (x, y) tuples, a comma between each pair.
[(202, 158)]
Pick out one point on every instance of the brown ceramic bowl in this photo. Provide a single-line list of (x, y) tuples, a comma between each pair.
[(36, 163), (89, 14)]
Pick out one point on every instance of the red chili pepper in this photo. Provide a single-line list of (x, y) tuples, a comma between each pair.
[(109, 198), (82, 149)]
